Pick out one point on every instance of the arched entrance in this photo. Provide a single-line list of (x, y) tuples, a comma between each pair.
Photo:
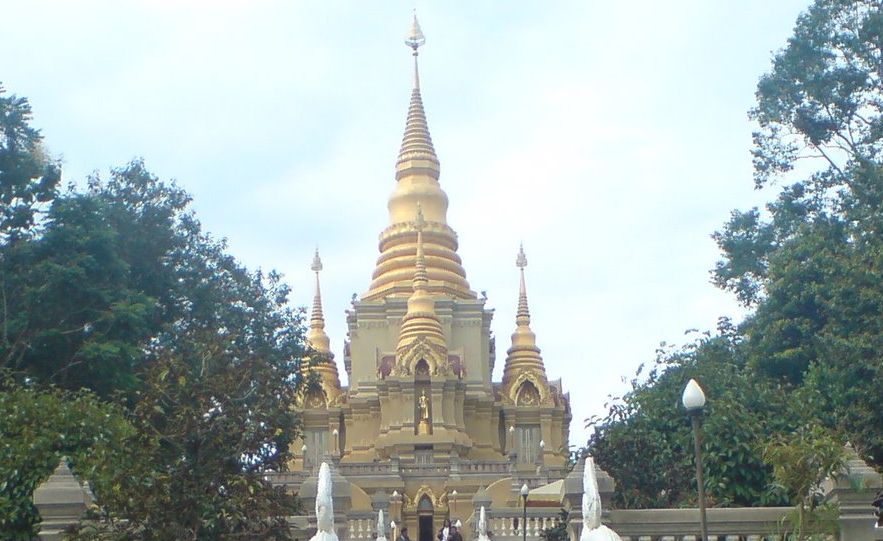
[(424, 519)]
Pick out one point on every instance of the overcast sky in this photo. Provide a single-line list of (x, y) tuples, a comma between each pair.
[(610, 137)]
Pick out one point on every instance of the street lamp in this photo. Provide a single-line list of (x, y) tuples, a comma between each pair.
[(524, 493), (336, 433), (454, 502), (303, 452), (694, 400)]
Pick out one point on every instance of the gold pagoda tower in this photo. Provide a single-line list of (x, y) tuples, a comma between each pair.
[(422, 431)]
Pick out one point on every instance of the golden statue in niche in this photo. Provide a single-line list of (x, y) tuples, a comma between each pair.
[(423, 427)]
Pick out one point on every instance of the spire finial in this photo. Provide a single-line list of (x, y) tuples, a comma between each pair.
[(317, 262), (521, 260), (415, 39)]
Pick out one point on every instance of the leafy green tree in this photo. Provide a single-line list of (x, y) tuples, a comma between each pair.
[(213, 419), (801, 462), (28, 178), (645, 441), (39, 427), (812, 264)]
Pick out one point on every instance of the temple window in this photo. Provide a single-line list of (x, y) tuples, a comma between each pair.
[(527, 443)]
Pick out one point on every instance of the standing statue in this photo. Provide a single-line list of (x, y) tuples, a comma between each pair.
[(324, 507), (381, 527), (593, 530), (482, 526), (423, 405)]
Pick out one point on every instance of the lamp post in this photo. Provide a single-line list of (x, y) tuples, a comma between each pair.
[(694, 401), (303, 451), (335, 433), (524, 493), (454, 503)]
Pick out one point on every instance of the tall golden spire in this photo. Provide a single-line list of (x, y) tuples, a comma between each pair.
[(420, 323), (524, 355), (319, 342), (417, 173)]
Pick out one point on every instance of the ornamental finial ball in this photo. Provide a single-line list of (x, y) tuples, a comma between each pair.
[(521, 260), (415, 37), (317, 262), (693, 397)]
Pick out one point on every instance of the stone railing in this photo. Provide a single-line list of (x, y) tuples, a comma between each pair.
[(508, 524), (362, 526), (484, 467), (730, 524)]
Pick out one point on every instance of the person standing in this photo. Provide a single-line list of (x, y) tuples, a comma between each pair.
[(403, 535), (455, 535), (445, 531)]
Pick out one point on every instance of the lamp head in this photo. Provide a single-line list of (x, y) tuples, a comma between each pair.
[(693, 397), (524, 490)]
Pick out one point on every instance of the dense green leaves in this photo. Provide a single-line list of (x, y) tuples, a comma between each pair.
[(28, 177), (809, 265), (117, 291), (645, 442), (41, 426)]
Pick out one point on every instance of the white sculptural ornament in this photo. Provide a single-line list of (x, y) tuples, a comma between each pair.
[(324, 507), (482, 526), (381, 527), (593, 530)]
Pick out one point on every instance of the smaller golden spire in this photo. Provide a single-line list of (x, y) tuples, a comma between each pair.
[(420, 322), (522, 317), (316, 336), (323, 360), (524, 355)]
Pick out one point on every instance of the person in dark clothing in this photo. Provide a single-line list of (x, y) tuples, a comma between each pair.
[(445, 531), (403, 536), (455, 535)]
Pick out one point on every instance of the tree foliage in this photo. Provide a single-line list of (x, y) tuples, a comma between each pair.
[(810, 268), (645, 441), (801, 462), (39, 427), (116, 290), (28, 177)]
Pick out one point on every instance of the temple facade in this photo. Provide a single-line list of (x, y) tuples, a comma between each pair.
[(422, 431)]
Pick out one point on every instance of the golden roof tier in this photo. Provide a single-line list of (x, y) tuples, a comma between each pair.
[(417, 173)]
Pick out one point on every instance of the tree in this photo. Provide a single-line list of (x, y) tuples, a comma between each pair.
[(28, 178), (645, 441), (214, 418), (812, 264), (39, 427), (801, 462)]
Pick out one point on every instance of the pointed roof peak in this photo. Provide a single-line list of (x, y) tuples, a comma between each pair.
[(416, 144), (522, 317), (316, 334)]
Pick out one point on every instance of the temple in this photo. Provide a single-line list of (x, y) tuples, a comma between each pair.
[(422, 431)]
